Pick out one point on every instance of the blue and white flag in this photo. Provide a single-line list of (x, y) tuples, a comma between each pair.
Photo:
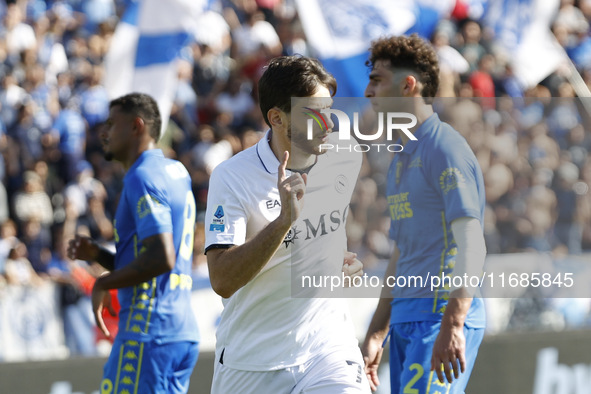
[(522, 28), (340, 31), (145, 46)]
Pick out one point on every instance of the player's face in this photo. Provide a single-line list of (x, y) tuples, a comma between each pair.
[(321, 126), (384, 82), (116, 134)]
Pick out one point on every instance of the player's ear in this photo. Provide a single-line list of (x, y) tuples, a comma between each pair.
[(277, 118), (411, 86), (138, 124)]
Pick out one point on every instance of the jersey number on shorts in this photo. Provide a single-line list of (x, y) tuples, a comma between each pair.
[(408, 389)]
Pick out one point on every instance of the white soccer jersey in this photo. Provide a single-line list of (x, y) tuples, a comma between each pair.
[(264, 326)]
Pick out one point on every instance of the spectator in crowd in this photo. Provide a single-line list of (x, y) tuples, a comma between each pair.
[(32, 202), (235, 101), (12, 97), (69, 129), (18, 268), (8, 241), (3, 203), (482, 82), (51, 53), (255, 42), (568, 228), (94, 105), (18, 35), (74, 301), (470, 47), (83, 197), (29, 133), (38, 241)]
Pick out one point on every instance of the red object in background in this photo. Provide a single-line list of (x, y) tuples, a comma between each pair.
[(112, 322), (86, 282), (460, 11), (483, 86), (269, 4)]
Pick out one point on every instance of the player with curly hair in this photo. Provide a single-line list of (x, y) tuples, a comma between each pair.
[(435, 192)]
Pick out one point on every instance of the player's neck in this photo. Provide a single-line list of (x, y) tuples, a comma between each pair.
[(422, 112), (137, 152), (298, 159)]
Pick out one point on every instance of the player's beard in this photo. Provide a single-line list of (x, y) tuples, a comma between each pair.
[(299, 140), (108, 156)]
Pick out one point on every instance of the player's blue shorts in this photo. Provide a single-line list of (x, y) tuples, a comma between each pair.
[(147, 367), (411, 346)]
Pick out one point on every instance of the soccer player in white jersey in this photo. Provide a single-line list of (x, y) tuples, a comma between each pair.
[(275, 212)]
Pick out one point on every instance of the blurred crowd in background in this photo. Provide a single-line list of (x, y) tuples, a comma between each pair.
[(532, 144)]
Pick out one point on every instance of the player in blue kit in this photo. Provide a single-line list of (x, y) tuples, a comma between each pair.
[(156, 347), (435, 193)]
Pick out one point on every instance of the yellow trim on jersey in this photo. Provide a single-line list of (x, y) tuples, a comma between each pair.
[(152, 297), (131, 309), (444, 384), (430, 380), (139, 368), (121, 348), (133, 300), (442, 264)]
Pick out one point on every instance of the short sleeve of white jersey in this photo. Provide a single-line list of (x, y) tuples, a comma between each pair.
[(225, 217)]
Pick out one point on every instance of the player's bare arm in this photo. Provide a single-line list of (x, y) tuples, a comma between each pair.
[(378, 328), (85, 248), (449, 349), (158, 257), (232, 268)]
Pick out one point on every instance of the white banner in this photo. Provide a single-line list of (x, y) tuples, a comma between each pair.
[(522, 27), (30, 325)]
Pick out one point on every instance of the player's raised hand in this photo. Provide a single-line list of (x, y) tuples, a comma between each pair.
[(291, 190), (82, 248)]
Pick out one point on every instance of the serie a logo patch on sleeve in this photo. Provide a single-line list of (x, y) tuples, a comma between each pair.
[(218, 221)]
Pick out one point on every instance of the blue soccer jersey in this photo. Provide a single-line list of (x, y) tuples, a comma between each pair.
[(433, 181), (156, 198)]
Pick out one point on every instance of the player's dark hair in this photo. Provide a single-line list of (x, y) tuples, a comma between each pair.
[(291, 76), (410, 52), (143, 106)]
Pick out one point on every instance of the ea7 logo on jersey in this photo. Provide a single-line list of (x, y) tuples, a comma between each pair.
[(218, 220), (272, 204)]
